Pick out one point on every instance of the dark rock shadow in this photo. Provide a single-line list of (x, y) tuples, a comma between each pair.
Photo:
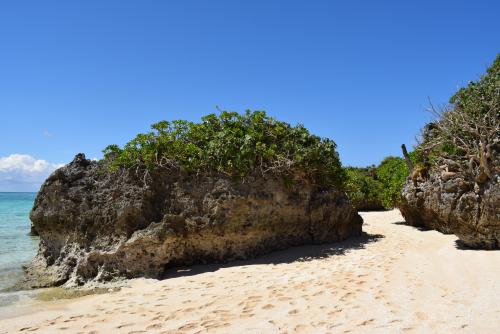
[(290, 255), (459, 244), (420, 228)]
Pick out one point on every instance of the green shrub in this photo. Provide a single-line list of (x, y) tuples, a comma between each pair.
[(374, 188), (233, 144), (392, 173), (479, 96), (363, 188)]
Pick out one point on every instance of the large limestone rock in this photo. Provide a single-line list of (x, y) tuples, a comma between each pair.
[(95, 225), (448, 203)]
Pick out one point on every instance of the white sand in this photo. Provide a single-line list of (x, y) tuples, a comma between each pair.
[(408, 281)]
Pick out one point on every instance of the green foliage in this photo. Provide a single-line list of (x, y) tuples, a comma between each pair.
[(392, 173), (381, 185), (478, 97), (233, 144), (363, 188)]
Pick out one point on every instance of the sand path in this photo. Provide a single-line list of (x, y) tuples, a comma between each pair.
[(394, 279)]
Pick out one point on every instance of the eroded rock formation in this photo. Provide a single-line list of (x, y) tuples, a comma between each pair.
[(447, 202), (95, 225)]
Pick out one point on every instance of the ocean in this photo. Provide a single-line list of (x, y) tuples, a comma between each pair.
[(16, 246)]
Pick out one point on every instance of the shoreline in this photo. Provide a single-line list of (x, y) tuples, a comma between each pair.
[(29, 298), (395, 278)]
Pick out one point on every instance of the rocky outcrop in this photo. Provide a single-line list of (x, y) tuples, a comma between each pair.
[(95, 225), (450, 204)]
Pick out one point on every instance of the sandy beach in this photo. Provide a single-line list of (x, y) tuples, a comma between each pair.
[(394, 279)]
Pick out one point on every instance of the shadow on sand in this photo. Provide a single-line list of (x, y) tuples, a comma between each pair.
[(293, 254), (459, 244), (420, 228)]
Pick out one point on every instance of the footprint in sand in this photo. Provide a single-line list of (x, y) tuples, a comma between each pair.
[(299, 328), (366, 322), (335, 311), (205, 305), (188, 326), (124, 325), (189, 309), (28, 329), (284, 299), (254, 297), (158, 317), (319, 324), (154, 326)]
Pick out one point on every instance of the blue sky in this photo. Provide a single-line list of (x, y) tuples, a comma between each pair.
[(76, 76)]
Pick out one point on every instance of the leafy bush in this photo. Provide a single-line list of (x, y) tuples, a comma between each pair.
[(233, 144), (375, 188), (392, 173), (363, 188), (480, 96)]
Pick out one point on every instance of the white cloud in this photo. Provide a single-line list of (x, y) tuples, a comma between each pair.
[(47, 134), (22, 172)]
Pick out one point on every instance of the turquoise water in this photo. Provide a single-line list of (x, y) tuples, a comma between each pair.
[(16, 246)]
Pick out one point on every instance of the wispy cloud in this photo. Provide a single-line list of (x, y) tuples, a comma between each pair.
[(47, 134), (22, 172)]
